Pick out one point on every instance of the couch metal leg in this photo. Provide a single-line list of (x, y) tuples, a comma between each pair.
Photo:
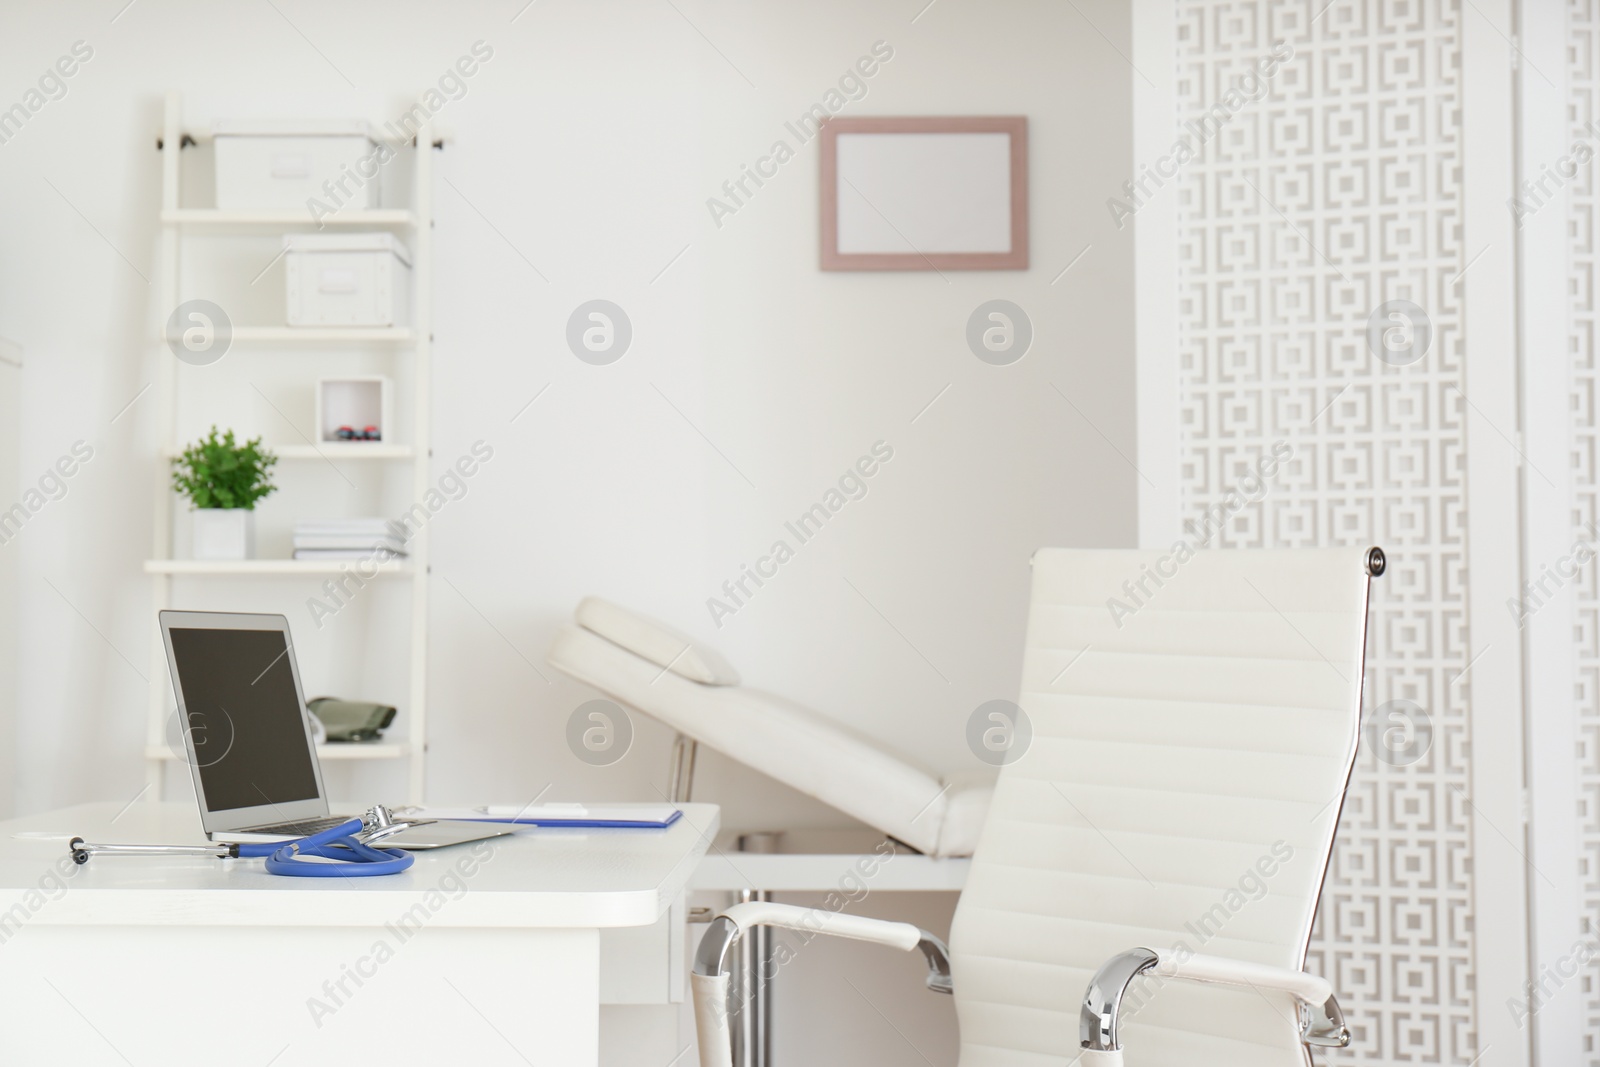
[(680, 779)]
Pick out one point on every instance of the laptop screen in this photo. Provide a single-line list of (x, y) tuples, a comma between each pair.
[(244, 713)]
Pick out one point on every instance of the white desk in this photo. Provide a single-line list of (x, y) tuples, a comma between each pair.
[(848, 875), (484, 954)]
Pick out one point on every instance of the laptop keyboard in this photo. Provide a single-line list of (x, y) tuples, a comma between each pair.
[(304, 828)]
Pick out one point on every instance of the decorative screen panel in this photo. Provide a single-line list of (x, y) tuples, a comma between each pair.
[(1583, 52), (1319, 311)]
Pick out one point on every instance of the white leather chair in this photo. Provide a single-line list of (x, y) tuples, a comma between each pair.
[(1150, 865)]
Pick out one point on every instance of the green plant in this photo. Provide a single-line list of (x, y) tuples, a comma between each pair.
[(218, 472)]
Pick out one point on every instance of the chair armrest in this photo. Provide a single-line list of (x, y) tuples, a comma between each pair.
[(711, 980), (902, 936), (1308, 988), (1321, 1021)]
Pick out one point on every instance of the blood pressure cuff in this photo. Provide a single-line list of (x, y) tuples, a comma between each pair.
[(352, 720)]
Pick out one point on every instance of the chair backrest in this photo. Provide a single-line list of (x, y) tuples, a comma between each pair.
[(1194, 718)]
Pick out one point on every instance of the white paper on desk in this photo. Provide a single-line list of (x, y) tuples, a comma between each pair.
[(647, 814)]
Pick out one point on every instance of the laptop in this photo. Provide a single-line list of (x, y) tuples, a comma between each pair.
[(248, 734)]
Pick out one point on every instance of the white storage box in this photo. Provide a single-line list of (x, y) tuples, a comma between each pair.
[(266, 165), (347, 279)]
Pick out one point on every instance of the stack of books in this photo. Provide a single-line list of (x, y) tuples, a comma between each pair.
[(349, 539)]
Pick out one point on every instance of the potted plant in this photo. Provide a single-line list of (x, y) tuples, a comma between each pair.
[(223, 480)]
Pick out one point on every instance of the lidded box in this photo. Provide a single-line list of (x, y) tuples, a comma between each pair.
[(273, 165), (347, 279)]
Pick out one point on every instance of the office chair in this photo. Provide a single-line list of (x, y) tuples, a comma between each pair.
[(1150, 865)]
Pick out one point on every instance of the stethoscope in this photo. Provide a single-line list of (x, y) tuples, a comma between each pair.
[(349, 843)]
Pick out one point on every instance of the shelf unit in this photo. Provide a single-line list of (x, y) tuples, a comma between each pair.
[(367, 751), (265, 568), (302, 336), (178, 223), (332, 451), (290, 220)]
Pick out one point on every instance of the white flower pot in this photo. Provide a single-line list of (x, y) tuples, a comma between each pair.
[(224, 533)]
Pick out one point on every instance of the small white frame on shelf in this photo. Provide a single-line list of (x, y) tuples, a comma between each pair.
[(357, 401)]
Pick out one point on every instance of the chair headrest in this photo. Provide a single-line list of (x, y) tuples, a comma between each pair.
[(656, 642)]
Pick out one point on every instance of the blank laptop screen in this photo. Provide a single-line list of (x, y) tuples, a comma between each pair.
[(243, 710)]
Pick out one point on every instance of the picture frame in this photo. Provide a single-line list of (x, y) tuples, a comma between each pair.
[(924, 193)]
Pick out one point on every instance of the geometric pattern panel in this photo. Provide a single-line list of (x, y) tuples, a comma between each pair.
[(1583, 52), (1316, 163)]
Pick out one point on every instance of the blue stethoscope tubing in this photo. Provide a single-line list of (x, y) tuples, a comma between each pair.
[(357, 860), (353, 857)]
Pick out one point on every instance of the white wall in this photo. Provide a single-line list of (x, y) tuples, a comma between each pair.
[(585, 151), (10, 618)]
